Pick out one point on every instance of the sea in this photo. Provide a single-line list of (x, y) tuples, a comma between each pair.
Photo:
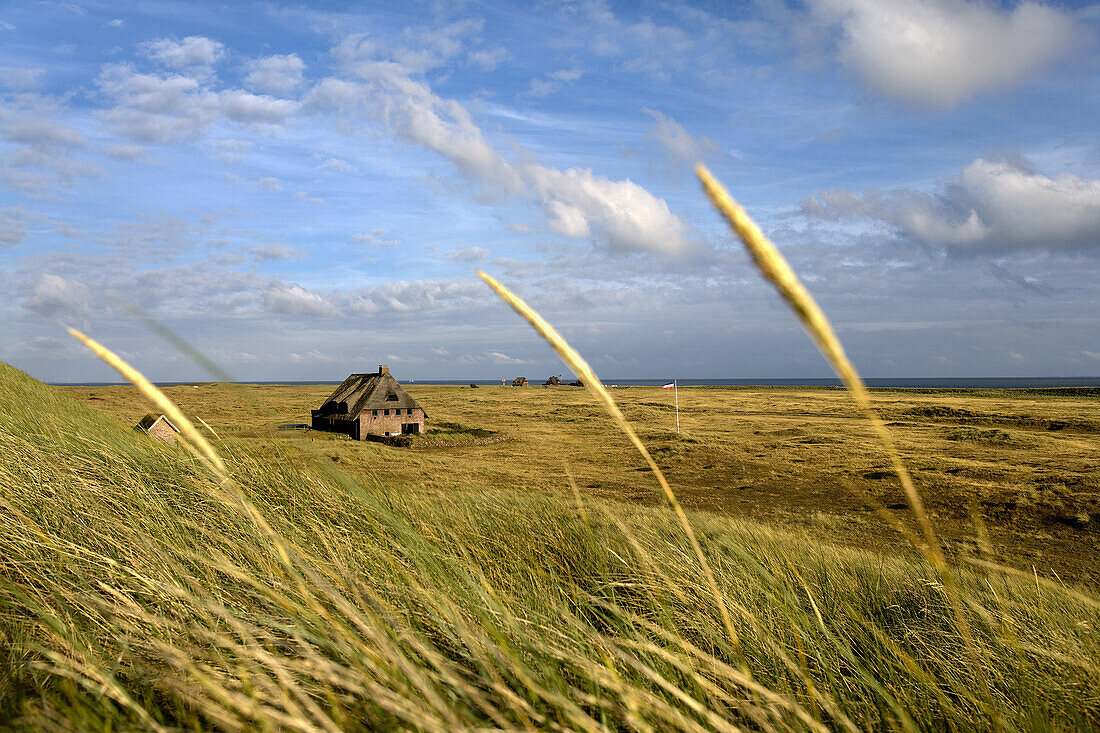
[(885, 382)]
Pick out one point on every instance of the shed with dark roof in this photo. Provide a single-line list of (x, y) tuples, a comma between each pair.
[(370, 404), (159, 427)]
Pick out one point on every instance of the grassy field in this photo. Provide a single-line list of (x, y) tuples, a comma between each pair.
[(330, 585), (1007, 475)]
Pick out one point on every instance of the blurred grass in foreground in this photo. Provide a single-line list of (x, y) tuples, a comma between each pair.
[(132, 596)]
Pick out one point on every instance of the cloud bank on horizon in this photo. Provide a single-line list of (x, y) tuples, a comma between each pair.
[(302, 193)]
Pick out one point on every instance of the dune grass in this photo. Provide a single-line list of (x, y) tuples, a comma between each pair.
[(132, 597)]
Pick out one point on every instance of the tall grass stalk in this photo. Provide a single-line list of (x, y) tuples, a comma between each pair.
[(592, 383), (192, 438), (775, 269)]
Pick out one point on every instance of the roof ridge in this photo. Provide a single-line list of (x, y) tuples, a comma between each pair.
[(369, 391)]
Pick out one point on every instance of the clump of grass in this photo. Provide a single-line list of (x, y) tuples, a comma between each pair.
[(991, 436), (447, 434)]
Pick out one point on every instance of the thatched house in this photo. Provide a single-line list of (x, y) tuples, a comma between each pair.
[(370, 404), (521, 382), (159, 427), (552, 381)]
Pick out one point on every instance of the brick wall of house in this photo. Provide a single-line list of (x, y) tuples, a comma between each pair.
[(392, 423), (163, 432)]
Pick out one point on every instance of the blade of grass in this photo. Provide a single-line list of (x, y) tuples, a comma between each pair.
[(775, 269), (193, 439), (593, 384)]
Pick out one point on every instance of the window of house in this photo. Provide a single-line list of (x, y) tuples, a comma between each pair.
[(385, 412), (374, 413), (409, 411), (391, 397)]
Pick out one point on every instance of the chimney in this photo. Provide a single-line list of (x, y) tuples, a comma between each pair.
[(383, 369)]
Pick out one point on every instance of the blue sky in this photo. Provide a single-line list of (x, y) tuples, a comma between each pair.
[(302, 191)]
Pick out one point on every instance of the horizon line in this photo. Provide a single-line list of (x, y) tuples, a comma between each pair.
[(763, 381)]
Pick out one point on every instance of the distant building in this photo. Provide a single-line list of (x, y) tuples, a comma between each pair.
[(552, 381), (370, 404), (521, 382), (159, 427)]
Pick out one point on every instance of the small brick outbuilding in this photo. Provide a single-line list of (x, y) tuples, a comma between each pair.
[(159, 427), (370, 404)]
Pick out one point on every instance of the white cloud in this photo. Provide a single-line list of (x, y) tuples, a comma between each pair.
[(576, 203), (437, 296), (375, 238), (336, 164), (194, 53), (498, 357), (277, 75), (552, 82), (938, 53), (12, 229), (173, 108), (467, 254), (294, 299), (313, 356), (423, 49), (125, 151), (429, 48), (645, 47), (991, 203), (271, 184), (276, 252), (230, 150), (44, 150), (43, 132), (56, 296), (681, 149), (18, 77), (68, 231), (1024, 207), (248, 108), (488, 59), (414, 112), (304, 195)]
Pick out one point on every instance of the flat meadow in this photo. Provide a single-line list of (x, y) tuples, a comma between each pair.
[(1007, 475), (514, 569)]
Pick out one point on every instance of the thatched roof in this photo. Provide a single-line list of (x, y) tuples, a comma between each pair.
[(150, 420), (372, 391)]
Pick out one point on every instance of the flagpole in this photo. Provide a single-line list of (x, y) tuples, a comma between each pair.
[(676, 391)]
